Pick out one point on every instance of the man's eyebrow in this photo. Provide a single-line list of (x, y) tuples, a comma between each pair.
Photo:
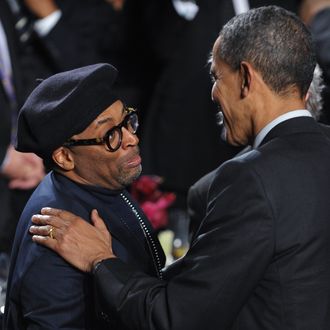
[(104, 120)]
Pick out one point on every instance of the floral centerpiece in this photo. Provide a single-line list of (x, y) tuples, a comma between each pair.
[(153, 201)]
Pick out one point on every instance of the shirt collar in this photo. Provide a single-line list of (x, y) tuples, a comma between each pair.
[(292, 114)]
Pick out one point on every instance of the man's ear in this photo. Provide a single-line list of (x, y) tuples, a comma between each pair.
[(246, 77), (62, 156)]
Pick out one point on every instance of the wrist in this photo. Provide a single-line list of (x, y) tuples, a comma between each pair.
[(96, 264)]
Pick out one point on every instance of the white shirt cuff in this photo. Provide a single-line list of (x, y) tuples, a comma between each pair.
[(44, 25)]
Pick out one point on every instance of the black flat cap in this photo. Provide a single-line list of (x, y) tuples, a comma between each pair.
[(63, 105)]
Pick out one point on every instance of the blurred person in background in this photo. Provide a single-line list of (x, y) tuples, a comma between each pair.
[(82, 32), (316, 15), (19, 173)]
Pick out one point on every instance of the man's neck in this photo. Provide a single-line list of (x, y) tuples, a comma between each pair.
[(273, 107)]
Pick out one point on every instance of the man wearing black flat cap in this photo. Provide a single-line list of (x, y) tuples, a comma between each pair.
[(75, 122)]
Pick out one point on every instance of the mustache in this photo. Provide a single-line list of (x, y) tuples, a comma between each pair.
[(134, 152)]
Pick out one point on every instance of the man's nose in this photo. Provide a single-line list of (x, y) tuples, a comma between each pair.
[(129, 139)]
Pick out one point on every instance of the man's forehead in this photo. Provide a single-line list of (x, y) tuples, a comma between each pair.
[(213, 56), (112, 113), (216, 46)]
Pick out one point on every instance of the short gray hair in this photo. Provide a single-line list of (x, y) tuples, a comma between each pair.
[(275, 42)]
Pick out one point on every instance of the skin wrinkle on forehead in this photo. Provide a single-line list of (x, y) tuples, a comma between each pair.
[(104, 121), (109, 118)]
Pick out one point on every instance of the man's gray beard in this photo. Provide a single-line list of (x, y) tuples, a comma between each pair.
[(125, 180)]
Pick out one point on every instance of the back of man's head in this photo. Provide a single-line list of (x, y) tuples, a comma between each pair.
[(275, 42)]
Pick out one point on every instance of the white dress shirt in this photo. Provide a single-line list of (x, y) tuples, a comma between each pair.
[(292, 114), (44, 25)]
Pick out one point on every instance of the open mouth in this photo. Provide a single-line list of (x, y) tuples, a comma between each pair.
[(134, 161), (220, 118)]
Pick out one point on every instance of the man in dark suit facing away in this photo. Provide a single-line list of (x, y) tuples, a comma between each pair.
[(260, 259), (198, 192)]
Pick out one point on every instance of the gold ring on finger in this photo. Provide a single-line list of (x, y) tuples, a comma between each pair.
[(51, 232)]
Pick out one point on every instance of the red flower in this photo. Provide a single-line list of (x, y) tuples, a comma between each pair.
[(147, 185), (153, 201)]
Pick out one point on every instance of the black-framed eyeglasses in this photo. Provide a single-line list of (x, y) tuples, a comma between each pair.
[(114, 136)]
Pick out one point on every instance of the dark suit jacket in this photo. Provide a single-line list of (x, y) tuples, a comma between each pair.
[(68, 47), (91, 31), (82, 35), (261, 257), (197, 200), (45, 292), (198, 196), (198, 192)]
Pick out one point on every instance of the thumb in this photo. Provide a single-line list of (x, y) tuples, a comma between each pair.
[(97, 221)]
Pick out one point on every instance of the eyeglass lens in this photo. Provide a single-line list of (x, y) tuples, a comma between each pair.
[(115, 135)]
